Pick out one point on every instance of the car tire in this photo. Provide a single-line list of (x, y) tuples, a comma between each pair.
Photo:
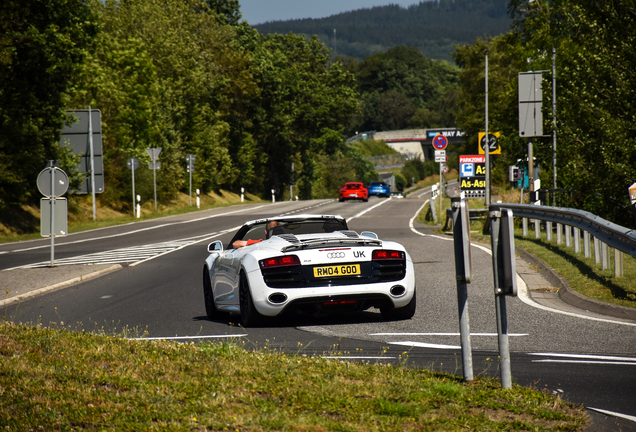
[(365, 199), (249, 315), (403, 313), (341, 200), (210, 309)]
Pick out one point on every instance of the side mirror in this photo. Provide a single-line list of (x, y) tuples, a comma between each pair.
[(369, 234), (215, 246)]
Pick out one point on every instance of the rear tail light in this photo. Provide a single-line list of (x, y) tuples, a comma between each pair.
[(281, 261), (381, 254)]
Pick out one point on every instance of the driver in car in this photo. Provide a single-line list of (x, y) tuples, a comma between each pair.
[(240, 243)]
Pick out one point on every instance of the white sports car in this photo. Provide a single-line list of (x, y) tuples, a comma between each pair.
[(307, 263)]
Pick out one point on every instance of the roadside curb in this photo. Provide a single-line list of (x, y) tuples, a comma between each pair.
[(60, 285), (573, 298)]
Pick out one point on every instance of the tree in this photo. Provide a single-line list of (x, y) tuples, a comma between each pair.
[(301, 111), (42, 46), (401, 86)]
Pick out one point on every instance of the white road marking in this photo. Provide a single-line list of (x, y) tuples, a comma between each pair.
[(425, 345), (359, 357), (369, 209), (586, 356), (191, 337), (137, 231), (614, 414), (443, 334)]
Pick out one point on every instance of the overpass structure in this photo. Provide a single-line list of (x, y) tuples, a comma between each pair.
[(413, 143)]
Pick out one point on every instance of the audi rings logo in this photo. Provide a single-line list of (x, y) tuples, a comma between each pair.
[(332, 255)]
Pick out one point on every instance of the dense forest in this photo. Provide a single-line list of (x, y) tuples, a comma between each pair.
[(190, 76), (433, 26)]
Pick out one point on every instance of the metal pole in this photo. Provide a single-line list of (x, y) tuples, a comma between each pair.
[(133, 181), (530, 167), (190, 167), (439, 191), (154, 175), (52, 205), (459, 237), (90, 141), (500, 305), (554, 125), (487, 146)]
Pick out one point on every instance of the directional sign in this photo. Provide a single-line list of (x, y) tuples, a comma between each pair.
[(440, 142), (493, 143), (132, 163), (60, 183), (78, 138)]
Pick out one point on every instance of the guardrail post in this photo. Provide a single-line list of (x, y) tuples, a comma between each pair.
[(524, 223), (537, 229), (568, 236), (577, 240), (505, 273), (618, 263), (548, 231), (559, 233), (463, 271), (597, 251), (586, 244), (604, 256)]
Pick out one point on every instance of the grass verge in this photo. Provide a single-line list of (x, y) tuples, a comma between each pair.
[(55, 379)]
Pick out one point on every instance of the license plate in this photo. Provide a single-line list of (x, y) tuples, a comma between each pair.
[(353, 195), (337, 270)]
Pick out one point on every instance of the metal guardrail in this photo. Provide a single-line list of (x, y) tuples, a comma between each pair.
[(473, 214), (611, 234)]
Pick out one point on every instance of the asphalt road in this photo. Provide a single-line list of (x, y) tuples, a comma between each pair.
[(587, 360)]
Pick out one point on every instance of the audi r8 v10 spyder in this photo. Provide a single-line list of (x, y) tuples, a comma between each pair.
[(307, 264), (379, 188), (353, 190)]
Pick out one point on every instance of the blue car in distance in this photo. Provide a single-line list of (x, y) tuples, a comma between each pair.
[(379, 188)]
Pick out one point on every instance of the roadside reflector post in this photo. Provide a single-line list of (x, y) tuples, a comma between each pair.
[(198, 198), (273, 196), (463, 271), (138, 206), (242, 192), (504, 270)]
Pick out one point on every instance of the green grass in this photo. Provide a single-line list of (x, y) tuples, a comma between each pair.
[(55, 379)]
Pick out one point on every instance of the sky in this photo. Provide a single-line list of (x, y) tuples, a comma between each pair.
[(260, 11)]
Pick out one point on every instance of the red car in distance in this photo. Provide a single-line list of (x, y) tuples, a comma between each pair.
[(353, 191)]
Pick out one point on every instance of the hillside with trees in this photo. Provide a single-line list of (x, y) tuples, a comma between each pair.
[(190, 76), (433, 26)]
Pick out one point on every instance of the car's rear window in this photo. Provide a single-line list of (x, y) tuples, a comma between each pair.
[(353, 185)]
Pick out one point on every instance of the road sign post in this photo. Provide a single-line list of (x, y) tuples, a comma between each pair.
[(190, 158), (52, 182), (154, 166), (439, 143), (133, 164)]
